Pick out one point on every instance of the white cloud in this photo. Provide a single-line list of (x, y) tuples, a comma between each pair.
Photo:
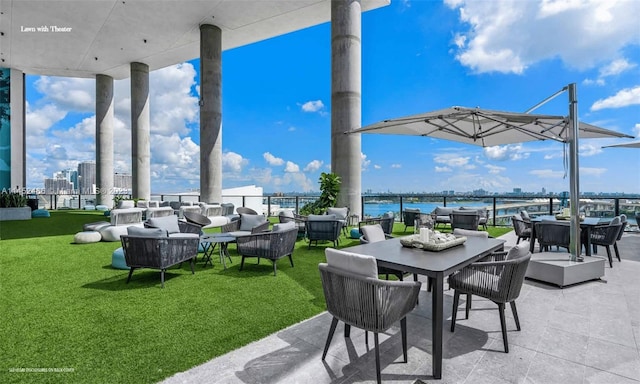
[(171, 103), (376, 166), (271, 159), (592, 171), (452, 160), (233, 162), (468, 181), (443, 169), (547, 173), (636, 130), (589, 150), (396, 166), (624, 98), (313, 166), (494, 169), (510, 36), (291, 167), (506, 152), (364, 163), (40, 120), (616, 67), (69, 93), (312, 106)]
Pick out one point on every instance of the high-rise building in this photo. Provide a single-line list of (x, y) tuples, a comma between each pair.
[(122, 183), (87, 177)]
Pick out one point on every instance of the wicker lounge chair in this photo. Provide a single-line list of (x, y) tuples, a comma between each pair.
[(522, 229), (409, 217), (550, 233), (273, 245), (465, 219), (606, 235), (152, 248), (323, 228), (386, 221)]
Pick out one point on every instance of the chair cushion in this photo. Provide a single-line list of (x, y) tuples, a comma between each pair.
[(373, 233), (362, 265), (321, 217), (525, 216), (168, 223), (146, 232), (248, 222), (442, 211), (95, 226), (470, 233), (281, 227), (340, 213), (122, 204), (517, 251)]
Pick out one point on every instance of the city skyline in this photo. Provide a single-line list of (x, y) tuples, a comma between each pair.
[(417, 56)]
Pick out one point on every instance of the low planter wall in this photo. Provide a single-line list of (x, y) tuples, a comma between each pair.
[(22, 213)]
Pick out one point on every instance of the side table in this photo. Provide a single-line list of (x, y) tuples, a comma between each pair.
[(209, 243)]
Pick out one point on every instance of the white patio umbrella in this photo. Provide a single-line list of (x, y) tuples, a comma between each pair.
[(633, 144), (489, 128)]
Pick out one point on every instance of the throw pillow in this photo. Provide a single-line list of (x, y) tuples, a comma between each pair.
[(168, 223), (248, 222)]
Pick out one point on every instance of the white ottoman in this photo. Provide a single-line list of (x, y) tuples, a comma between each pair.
[(87, 237)]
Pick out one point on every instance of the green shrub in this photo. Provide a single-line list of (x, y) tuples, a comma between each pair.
[(12, 200), (329, 191)]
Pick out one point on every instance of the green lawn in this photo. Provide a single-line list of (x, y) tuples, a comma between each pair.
[(63, 307)]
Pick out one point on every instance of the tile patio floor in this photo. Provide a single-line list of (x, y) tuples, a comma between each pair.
[(587, 333)]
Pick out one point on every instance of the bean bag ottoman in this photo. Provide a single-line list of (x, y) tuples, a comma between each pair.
[(117, 259), (87, 237), (95, 226), (40, 213)]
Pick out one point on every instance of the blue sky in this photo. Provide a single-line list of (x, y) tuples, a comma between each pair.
[(417, 56)]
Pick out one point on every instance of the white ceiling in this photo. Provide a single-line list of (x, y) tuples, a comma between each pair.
[(107, 35)]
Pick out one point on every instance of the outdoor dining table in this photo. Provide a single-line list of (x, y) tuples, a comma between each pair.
[(586, 225), (436, 265)]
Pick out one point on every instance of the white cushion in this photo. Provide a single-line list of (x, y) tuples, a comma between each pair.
[(470, 233), (373, 233), (518, 251), (168, 223), (123, 204), (146, 232), (248, 222), (321, 217), (340, 213), (113, 232), (281, 227), (362, 265)]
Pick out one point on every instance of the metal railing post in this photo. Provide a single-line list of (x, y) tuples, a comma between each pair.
[(495, 211)]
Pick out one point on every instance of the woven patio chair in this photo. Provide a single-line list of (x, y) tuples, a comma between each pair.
[(288, 216), (272, 245), (355, 296), (342, 215), (151, 248), (522, 229), (498, 277), (623, 220), (465, 219), (323, 228), (245, 210), (550, 233), (250, 224), (385, 221), (409, 216), (606, 235)]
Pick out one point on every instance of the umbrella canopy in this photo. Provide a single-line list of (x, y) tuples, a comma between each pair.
[(488, 128), (633, 144), (485, 128)]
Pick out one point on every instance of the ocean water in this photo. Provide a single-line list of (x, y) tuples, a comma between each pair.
[(374, 209)]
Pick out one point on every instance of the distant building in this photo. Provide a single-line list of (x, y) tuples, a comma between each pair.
[(122, 183), (87, 178), (517, 191)]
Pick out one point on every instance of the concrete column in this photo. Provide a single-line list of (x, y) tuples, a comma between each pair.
[(210, 113), (140, 126), (346, 100), (104, 140), (12, 134)]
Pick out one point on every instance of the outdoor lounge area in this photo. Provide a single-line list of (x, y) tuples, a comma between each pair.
[(77, 314)]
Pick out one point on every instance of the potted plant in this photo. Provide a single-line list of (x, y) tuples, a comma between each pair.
[(13, 206), (329, 190)]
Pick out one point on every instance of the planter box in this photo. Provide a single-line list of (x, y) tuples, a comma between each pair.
[(22, 213)]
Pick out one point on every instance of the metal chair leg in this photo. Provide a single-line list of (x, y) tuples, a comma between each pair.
[(332, 330)]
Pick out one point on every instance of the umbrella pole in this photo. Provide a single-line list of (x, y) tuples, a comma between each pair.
[(574, 246)]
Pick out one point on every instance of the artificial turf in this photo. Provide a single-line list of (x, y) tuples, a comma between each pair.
[(67, 316)]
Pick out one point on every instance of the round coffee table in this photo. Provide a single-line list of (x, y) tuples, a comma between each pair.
[(210, 241)]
